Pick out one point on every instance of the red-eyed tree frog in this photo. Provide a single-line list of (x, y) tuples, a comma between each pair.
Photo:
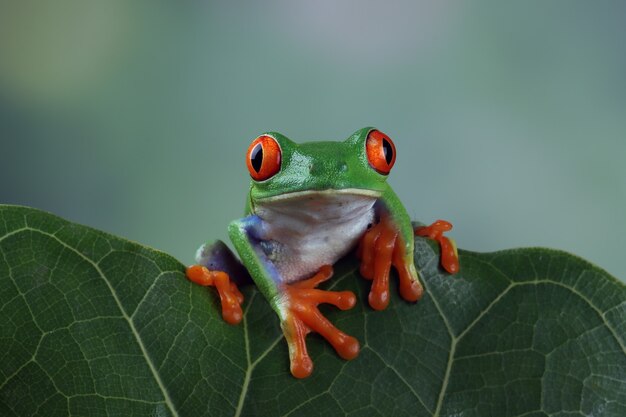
[(309, 205)]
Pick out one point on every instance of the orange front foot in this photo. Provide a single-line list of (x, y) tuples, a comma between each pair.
[(379, 249), (303, 317), (230, 296), (449, 255)]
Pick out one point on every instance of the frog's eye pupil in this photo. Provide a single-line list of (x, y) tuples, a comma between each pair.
[(263, 158), (256, 157), (381, 152), (388, 150)]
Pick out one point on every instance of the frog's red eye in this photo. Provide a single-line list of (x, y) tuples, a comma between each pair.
[(381, 152), (263, 158)]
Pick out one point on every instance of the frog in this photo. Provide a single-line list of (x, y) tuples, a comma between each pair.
[(309, 205)]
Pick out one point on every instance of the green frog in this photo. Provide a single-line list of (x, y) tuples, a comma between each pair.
[(309, 205)]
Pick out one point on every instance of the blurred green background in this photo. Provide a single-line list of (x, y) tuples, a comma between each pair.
[(134, 117)]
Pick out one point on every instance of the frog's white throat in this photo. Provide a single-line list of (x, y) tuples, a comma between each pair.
[(308, 229)]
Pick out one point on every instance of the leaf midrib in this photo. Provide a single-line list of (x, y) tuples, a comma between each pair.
[(136, 335)]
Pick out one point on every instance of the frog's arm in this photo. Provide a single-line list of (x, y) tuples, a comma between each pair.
[(449, 256), (296, 304), (388, 243), (391, 204), (246, 234), (391, 242)]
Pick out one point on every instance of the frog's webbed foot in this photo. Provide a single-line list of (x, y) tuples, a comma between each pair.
[(302, 317), (449, 254), (230, 295), (381, 247)]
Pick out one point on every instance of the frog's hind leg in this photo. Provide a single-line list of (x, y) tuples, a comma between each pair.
[(218, 267), (303, 317), (217, 256), (449, 254)]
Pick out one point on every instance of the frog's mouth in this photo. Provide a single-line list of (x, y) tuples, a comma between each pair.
[(323, 195), (314, 207)]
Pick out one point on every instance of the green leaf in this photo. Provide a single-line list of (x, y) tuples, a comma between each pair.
[(93, 325)]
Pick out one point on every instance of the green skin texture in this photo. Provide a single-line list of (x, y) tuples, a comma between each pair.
[(335, 166)]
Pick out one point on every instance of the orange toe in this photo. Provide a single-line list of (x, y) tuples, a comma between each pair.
[(303, 317), (199, 275), (449, 255)]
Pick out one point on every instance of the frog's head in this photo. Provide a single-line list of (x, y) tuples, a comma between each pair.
[(359, 165)]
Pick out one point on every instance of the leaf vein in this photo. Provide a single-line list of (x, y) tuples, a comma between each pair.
[(133, 329), (250, 368), (404, 381)]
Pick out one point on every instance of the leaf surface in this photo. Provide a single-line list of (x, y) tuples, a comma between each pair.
[(91, 324)]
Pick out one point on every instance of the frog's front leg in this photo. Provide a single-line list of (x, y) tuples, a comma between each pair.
[(389, 243), (382, 246), (295, 303), (303, 317)]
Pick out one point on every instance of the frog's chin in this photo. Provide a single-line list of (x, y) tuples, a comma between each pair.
[(313, 194)]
